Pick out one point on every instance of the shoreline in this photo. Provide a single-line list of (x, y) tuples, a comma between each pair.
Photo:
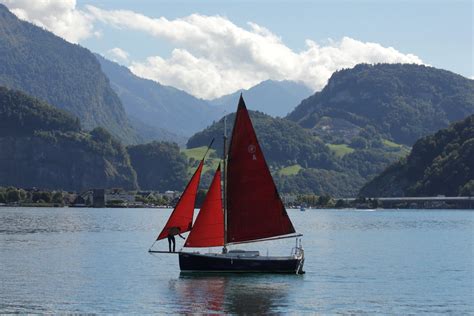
[(294, 208)]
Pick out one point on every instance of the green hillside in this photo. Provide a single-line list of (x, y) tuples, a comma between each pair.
[(340, 150), (301, 162), (290, 170), (194, 156), (440, 164), (284, 143), (41, 146), (23, 115), (365, 119), (159, 166), (65, 75), (397, 102)]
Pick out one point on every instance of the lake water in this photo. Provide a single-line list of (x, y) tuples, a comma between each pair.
[(96, 261)]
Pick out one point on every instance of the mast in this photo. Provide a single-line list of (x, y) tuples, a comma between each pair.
[(224, 161)]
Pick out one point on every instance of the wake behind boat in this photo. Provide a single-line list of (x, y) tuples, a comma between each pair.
[(248, 209)]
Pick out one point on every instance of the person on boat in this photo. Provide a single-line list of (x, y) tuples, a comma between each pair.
[(173, 231)]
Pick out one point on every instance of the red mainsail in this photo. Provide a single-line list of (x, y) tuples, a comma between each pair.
[(254, 208), (208, 229), (182, 215)]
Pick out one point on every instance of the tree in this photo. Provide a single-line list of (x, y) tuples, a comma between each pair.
[(22, 194), (58, 197), (46, 196), (340, 204), (101, 135), (3, 197), (159, 166), (359, 142), (13, 195), (468, 189), (42, 197), (324, 199)]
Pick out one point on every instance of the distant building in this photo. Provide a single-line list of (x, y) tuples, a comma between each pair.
[(170, 195), (145, 194), (117, 195), (288, 198)]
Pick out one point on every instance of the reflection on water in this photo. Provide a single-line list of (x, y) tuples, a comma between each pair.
[(233, 293)]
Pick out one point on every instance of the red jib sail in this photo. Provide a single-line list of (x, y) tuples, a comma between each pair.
[(254, 207), (208, 229), (182, 215)]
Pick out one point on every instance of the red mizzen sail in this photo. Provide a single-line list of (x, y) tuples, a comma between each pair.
[(182, 215), (208, 229), (254, 208)]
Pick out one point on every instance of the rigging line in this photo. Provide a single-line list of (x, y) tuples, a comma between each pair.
[(151, 247), (264, 239), (208, 148)]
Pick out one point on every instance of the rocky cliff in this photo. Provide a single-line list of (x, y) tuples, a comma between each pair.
[(47, 154)]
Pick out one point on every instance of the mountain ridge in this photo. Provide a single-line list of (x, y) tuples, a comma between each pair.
[(65, 75), (161, 107), (275, 98), (401, 102)]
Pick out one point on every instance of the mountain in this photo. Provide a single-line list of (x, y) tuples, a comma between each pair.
[(276, 98), (65, 75), (149, 133), (320, 182), (159, 166), (41, 146), (440, 164), (283, 142), (300, 162), (163, 108), (400, 102)]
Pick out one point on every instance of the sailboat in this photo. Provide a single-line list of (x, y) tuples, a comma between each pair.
[(247, 209)]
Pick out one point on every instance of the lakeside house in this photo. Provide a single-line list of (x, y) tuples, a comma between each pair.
[(118, 197)]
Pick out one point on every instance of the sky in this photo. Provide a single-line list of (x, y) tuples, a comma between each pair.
[(212, 48)]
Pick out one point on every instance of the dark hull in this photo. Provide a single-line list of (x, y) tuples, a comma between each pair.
[(191, 262)]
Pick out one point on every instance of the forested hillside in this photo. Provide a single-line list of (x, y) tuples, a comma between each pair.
[(362, 121), (284, 142), (159, 166), (41, 146), (302, 162), (23, 115), (398, 102), (65, 75), (440, 164)]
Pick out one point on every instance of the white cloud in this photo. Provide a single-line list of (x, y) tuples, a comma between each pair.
[(58, 16), (213, 56), (118, 55)]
